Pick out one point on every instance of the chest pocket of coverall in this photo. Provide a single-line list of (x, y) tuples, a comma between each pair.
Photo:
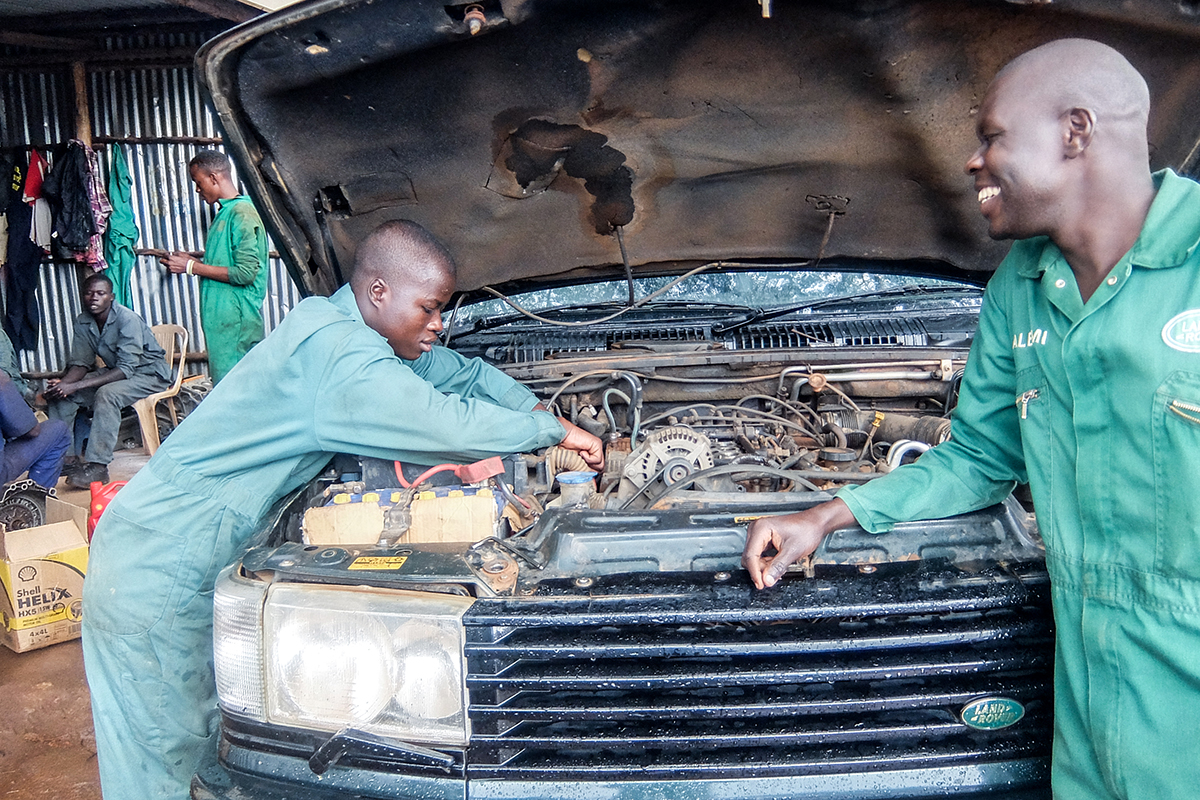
[(1176, 426), (1033, 416)]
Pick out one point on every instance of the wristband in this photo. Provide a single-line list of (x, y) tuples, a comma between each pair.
[(189, 267)]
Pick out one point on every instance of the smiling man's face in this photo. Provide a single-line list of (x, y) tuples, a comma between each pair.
[(1019, 165)]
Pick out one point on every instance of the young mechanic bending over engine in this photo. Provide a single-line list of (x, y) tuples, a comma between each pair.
[(356, 372)]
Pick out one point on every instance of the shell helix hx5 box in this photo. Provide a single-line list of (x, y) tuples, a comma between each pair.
[(41, 579)]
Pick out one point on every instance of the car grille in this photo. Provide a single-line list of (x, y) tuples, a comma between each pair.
[(531, 346), (537, 346), (844, 333), (698, 677)]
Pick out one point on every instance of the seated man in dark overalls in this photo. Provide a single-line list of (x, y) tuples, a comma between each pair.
[(135, 366)]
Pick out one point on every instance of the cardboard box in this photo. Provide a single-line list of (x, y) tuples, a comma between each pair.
[(41, 579)]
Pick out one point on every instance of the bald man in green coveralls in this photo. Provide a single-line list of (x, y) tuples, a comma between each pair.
[(1084, 380), (233, 270)]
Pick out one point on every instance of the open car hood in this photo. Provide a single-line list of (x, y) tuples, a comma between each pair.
[(698, 130)]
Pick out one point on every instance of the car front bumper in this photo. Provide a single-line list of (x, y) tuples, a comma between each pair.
[(293, 780)]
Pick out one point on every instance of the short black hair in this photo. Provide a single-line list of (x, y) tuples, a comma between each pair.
[(393, 248), (97, 277), (211, 161)]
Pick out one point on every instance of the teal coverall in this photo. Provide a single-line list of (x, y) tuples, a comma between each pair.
[(322, 383), (231, 313), (1097, 405)]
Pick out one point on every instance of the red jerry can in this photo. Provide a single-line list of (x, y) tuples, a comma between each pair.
[(102, 493)]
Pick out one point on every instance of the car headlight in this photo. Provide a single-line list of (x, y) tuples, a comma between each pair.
[(388, 662)]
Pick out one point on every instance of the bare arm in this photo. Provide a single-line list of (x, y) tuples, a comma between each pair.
[(178, 264), (58, 388)]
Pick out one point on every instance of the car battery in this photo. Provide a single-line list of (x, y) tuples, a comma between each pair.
[(453, 514), (444, 514)]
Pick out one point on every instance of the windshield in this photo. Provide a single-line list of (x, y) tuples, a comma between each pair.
[(759, 290)]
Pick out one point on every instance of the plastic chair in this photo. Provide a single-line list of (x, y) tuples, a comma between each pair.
[(146, 408)]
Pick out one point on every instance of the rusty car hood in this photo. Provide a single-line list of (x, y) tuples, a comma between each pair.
[(698, 130)]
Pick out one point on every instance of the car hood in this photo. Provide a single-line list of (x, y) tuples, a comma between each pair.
[(564, 140)]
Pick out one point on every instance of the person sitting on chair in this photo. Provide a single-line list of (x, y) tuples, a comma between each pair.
[(135, 366)]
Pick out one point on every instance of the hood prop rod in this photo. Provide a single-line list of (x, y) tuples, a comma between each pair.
[(625, 260)]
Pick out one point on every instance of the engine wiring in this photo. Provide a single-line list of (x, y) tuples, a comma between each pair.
[(741, 409), (797, 408), (758, 438)]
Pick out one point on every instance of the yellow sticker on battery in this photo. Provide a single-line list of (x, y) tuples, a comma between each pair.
[(378, 562)]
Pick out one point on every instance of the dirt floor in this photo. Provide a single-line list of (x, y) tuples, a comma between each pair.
[(47, 748)]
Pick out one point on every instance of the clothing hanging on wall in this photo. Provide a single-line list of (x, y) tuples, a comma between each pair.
[(101, 208), (122, 233), (67, 188), (41, 229), (21, 318)]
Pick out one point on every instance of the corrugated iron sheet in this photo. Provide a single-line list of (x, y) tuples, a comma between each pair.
[(146, 104)]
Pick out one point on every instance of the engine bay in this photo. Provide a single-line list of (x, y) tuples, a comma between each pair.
[(767, 430), (705, 399)]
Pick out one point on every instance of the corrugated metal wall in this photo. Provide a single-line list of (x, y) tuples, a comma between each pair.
[(157, 107)]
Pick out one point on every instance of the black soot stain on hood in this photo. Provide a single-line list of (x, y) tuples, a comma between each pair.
[(541, 149)]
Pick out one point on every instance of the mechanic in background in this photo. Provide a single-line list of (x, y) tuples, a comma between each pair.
[(357, 372), (233, 273), (1100, 413)]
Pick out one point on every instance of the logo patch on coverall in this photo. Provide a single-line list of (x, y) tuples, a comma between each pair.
[(1183, 332)]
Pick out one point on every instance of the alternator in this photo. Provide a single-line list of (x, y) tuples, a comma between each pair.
[(667, 457)]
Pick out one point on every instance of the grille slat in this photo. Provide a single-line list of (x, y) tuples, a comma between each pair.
[(896, 332), (758, 762), (614, 645), (736, 736), (533, 705), (540, 675)]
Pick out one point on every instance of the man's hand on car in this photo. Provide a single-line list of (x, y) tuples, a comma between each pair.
[(793, 536), (584, 443)]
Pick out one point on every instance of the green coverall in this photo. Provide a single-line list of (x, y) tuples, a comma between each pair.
[(231, 313), (322, 383), (1097, 405)]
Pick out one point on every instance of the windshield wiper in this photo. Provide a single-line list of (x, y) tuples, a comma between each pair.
[(763, 315)]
